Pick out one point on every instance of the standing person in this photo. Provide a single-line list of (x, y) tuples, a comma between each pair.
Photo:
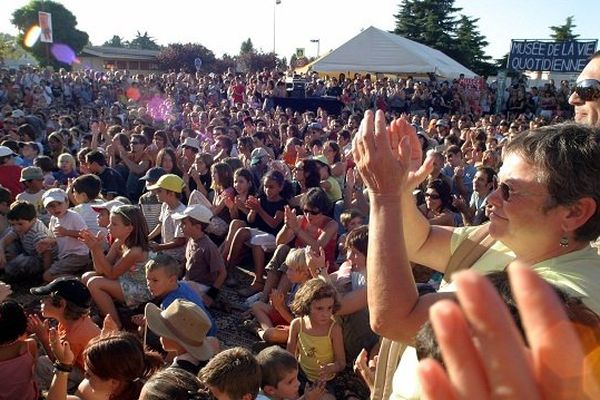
[(315, 338), (483, 185), (540, 185), (168, 189), (119, 275)]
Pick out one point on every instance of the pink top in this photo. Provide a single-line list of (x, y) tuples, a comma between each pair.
[(17, 381)]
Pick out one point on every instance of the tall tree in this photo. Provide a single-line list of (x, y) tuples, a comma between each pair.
[(144, 42), (430, 22), (177, 56), (64, 29), (247, 47), (116, 41), (470, 44), (563, 33), (9, 49)]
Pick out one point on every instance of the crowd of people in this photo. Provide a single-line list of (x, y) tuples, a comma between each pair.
[(128, 204)]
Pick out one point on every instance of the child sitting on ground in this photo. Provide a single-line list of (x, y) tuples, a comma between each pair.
[(5, 197), (67, 301), (47, 166), (232, 374), (204, 268), (274, 318), (183, 328), (85, 190), (315, 338), (162, 273), (279, 370), (350, 219), (32, 179), (18, 354), (168, 189), (26, 231), (65, 226), (103, 217), (66, 171)]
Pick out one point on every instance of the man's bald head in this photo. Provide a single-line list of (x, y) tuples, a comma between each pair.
[(588, 112)]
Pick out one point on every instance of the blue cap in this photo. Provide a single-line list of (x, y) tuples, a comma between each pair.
[(153, 174)]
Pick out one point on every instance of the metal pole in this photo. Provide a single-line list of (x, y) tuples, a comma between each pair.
[(274, 10)]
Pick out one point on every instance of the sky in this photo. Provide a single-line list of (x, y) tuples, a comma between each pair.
[(222, 25)]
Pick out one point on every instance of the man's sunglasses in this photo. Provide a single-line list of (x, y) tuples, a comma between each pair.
[(432, 196), (587, 89), (504, 191)]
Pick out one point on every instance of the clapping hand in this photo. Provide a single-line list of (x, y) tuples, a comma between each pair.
[(90, 240), (36, 326), (315, 259), (289, 217), (61, 348)]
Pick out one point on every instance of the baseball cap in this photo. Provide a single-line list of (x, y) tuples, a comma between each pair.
[(153, 174), (109, 205), (169, 182), (55, 194), (30, 173), (257, 154), (197, 212), (6, 151), (18, 114), (441, 122), (315, 125), (191, 142), (183, 322), (69, 289)]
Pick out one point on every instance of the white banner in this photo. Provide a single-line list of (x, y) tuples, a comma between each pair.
[(45, 21)]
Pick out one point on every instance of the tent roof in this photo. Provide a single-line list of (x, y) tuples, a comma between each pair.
[(375, 50)]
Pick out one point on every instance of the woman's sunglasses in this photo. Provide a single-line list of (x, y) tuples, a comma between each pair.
[(587, 89), (313, 212), (432, 196)]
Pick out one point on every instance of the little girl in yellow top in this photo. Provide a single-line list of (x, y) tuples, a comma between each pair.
[(315, 339)]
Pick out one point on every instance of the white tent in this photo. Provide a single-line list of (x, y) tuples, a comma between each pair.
[(374, 50)]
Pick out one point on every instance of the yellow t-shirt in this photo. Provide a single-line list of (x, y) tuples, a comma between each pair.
[(577, 272)]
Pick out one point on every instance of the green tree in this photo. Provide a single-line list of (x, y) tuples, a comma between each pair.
[(563, 33), (144, 42), (469, 45), (64, 29), (9, 49), (247, 47), (177, 56), (116, 41), (430, 22)]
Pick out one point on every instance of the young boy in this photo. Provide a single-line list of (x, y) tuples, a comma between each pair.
[(103, 216), (26, 231), (232, 374), (162, 274), (85, 190), (350, 219), (29, 151), (65, 225), (168, 190), (149, 202), (67, 301), (204, 266), (279, 370), (32, 179), (183, 328)]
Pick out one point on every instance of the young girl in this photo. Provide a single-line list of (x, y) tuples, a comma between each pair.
[(274, 318), (244, 188), (66, 165), (264, 220), (119, 275), (116, 367), (17, 354), (315, 338)]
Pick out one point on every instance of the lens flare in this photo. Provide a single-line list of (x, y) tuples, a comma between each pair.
[(32, 36), (63, 53)]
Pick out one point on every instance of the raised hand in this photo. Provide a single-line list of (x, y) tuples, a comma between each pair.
[(61, 348)]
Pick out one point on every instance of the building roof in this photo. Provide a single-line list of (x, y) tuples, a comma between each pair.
[(119, 53)]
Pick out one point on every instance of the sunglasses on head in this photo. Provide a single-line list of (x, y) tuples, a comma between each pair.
[(432, 196), (587, 89), (313, 212)]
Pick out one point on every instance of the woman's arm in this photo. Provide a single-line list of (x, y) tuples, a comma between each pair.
[(444, 219), (329, 232)]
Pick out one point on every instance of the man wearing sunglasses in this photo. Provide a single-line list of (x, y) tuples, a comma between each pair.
[(585, 94)]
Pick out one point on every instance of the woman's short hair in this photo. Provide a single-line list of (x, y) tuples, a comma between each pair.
[(316, 198), (566, 158)]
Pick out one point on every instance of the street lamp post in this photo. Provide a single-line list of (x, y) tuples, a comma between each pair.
[(274, 12), (318, 42)]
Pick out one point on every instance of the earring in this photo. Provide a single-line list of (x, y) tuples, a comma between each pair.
[(564, 241)]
